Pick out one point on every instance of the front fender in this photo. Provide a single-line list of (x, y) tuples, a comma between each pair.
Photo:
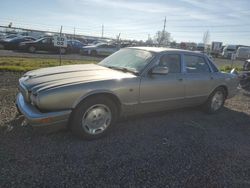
[(84, 96)]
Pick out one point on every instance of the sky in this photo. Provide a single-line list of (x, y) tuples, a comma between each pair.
[(186, 20)]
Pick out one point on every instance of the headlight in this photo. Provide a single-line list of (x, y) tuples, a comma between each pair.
[(34, 99)]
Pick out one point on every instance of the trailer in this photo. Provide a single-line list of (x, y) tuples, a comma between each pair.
[(216, 49)]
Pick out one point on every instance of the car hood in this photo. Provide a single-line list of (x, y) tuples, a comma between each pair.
[(48, 78)]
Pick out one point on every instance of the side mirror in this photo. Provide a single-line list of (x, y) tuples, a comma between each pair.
[(160, 70)]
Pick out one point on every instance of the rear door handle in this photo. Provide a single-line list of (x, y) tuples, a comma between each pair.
[(180, 79)]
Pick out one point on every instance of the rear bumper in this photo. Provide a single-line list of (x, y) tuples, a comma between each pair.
[(54, 120)]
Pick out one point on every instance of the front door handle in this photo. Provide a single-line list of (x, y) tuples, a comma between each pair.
[(180, 79)]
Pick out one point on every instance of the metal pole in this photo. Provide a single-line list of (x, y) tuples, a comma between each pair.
[(102, 30), (60, 47), (74, 32)]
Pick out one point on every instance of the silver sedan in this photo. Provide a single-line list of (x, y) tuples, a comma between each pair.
[(89, 98)]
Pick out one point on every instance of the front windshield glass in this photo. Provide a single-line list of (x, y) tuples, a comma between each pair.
[(132, 59)]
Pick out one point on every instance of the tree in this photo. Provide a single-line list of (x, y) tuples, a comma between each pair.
[(150, 41), (162, 38)]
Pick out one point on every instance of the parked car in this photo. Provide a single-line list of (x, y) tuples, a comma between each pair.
[(244, 76), (42, 44), (74, 46), (11, 36), (13, 43), (99, 49), (89, 98), (2, 36), (243, 53)]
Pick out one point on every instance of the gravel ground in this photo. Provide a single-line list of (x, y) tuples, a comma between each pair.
[(181, 148)]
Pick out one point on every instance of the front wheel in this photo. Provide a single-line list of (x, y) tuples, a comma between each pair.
[(216, 100), (93, 117)]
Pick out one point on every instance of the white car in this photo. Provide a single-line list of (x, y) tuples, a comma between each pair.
[(99, 49)]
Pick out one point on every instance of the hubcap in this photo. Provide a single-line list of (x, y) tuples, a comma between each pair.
[(96, 119), (217, 100)]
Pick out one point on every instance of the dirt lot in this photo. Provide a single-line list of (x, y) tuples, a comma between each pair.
[(182, 148)]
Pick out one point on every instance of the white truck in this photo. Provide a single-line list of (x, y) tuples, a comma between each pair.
[(229, 50)]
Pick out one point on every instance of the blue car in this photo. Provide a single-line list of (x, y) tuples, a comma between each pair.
[(74, 46)]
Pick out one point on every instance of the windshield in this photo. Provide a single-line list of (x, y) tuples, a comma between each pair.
[(132, 59)]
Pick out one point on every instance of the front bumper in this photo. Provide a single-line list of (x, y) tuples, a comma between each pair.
[(38, 119), (233, 92)]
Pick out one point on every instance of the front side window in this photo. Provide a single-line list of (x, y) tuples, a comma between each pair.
[(196, 64), (172, 61), (212, 65)]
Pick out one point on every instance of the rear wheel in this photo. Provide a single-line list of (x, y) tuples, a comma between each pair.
[(216, 100), (94, 117), (32, 49)]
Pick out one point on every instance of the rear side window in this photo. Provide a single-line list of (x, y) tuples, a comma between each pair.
[(196, 64), (172, 61)]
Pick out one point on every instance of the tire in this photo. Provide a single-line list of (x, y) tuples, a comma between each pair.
[(32, 49), (93, 53), (63, 51), (215, 101), (94, 117)]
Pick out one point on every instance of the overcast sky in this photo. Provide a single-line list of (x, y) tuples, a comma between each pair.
[(187, 20)]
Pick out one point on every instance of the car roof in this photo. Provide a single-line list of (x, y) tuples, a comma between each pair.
[(160, 49)]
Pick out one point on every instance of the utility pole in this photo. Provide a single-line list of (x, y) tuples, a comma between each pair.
[(118, 40), (74, 32), (163, 31), (102, 30), (60, 47), (164, 27)]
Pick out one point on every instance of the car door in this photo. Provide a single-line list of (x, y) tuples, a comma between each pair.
[(198, 79), (47, 45), (101, 49), (43, 44), (111, 49), (158, 92)]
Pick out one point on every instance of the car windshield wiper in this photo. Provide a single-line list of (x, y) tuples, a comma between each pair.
[(123, 69)]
